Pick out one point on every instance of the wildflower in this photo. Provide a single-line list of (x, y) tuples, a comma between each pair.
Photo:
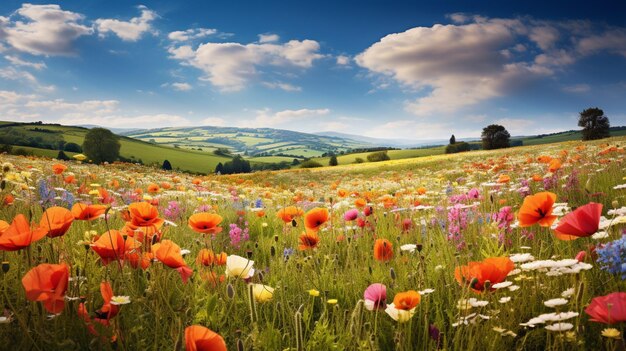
[(47, 283), (58, 168), (206, 223), (111, 246), (383, 250), (20, 234), (288, 214), (406, 300), (582, 222), (608, 309), (332, 301), (199, 338), (351, 215), (612, 257), (206, 257), (313, 292), (537, 209), (375, 296), (482, 275), (143, 214), (560, 327), (262, 293), (239, 267), (611, 333), (315, 218), (555, 302), (308, 241), (169, 254), (57, 220), (87, 212), (408, 247)]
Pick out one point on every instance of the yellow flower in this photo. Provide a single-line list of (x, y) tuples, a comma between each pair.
[(262, 293), (332, 301), (95, 185), (94, 192), (611, 333), (314, 292)]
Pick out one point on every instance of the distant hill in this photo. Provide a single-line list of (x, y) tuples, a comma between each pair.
[(114, 130), (402, 143), (259, 142)]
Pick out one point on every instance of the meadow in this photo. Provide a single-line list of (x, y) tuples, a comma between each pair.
[(512, 249)]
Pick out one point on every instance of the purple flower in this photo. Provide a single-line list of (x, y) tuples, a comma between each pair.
[(351, 215), (375, 297)]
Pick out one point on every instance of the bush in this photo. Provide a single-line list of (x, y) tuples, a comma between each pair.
[(22, 152), (378, 156), (359, 160), (101, 145), (333, 161), (73, 147), (310, 164), (457, 147)]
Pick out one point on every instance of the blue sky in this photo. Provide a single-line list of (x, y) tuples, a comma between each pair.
[(389, 69)]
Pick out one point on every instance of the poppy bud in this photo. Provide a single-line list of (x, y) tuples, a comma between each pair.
[(249, 253), (419, 247), (294, 223), (370, 269), (239, 345), (276, 238), (487, 285), (272, 251), (230, 291), (261, 277), (473, 282), (392, 273), (5, 266)]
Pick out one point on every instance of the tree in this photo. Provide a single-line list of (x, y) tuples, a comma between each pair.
[(62, 156), (219, 169), (166, 165), (378, 156), (101, 145), (495, 136), (457, 147), (73, 147), (333, 161), (594, 123), (452, 140)]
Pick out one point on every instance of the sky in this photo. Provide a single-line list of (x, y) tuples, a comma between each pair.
[(387, 69)]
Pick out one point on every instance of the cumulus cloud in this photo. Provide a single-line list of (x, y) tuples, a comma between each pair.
[(131, 30), (282, 85), (43, 30), (231, 66), (213, 121), (25, 78), (268, 38), (16, 61), (181, 86), (343, 60), (191, 34), (267, 118), (454, 66)]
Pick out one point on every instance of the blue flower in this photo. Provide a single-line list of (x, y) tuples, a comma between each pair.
[(612, 257)]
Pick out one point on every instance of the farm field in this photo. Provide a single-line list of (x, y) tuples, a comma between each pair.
[(512, 249)]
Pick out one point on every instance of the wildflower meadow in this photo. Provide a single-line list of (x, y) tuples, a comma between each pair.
[(513, 249)]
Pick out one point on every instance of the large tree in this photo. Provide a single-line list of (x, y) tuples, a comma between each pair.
[(452, 140), (101, 145), (495, 136), (594, 123)]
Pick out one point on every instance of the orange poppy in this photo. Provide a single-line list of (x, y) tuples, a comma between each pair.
[(70, 179), (169, 254), (199, 338), (143, 214), (57, 220), (289, 213), (406, 300), (58, 168), (87, 212), (205, 222), (153, 188), (315, 218), (8, 200), (112, 246), (483, 274), (47, 283), (504, 179), (537, 209), (206, 257), (383, 250), (537, 178), (554, 165), (360, 202), (308, 241), (20, 234), (220, 259), (3, 226)]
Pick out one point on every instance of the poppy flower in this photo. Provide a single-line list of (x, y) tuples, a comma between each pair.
[(479, 275), (308, 241), (153, 188), (8, 200), (57, 220), (85, 212), (406, 300), (199, 338), (383, 250), (262, 293), (169, 254), (375, 296), (289, 213), (582, 222), (108, 310), (351, 215), (239, 267), (142, 214), (537, 209), (206, 257), (20, 234), (608, 309), (205, 222), (554, 165), (112, 246), (220, 259), (47, 283), (315, 218), (3, 226), (58, 168), (504, 178)]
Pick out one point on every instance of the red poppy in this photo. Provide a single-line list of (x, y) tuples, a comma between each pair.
[(537, 209), (308, 241), (20, 234), (57, 220), (199, 338), (205, 222), (142, 214), (205, 258), (383, 250), (112, 246), (47, 283), (315, 218), (169, 254), (289, 213), (608, 309), (582, 222), (87, 212), (58, 168), (479, 275)]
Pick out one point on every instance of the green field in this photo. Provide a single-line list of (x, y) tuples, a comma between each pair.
[(393, 154)]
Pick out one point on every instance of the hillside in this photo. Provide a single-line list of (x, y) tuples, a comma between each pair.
[(249, 141)]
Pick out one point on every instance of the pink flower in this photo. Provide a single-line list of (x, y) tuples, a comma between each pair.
[(608, 309), (351, 215), (375, 297)]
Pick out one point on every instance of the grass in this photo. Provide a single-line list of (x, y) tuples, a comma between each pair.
[(318, 302), (393, 154)]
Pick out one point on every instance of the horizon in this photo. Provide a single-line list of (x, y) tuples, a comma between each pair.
[(382, 71)]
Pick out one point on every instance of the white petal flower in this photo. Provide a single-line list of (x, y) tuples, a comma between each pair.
[(399, 315), (560, 327), (120, 300), (568, 293), (555, 302), (239, 267), (504, 299), (504, 284)]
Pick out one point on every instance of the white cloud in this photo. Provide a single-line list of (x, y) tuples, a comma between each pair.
[(191, 34), (14, 60), (281, 85), (577, 88), (181, 86), (24, 77), (268, 38), (148, 121), (544, 36), (231, 66), (612, 41), (131, 30), (343, 60), (44, 30), (267, 118), (213, 121)]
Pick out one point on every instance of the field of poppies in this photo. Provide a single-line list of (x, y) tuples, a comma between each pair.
[(516, 249)]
